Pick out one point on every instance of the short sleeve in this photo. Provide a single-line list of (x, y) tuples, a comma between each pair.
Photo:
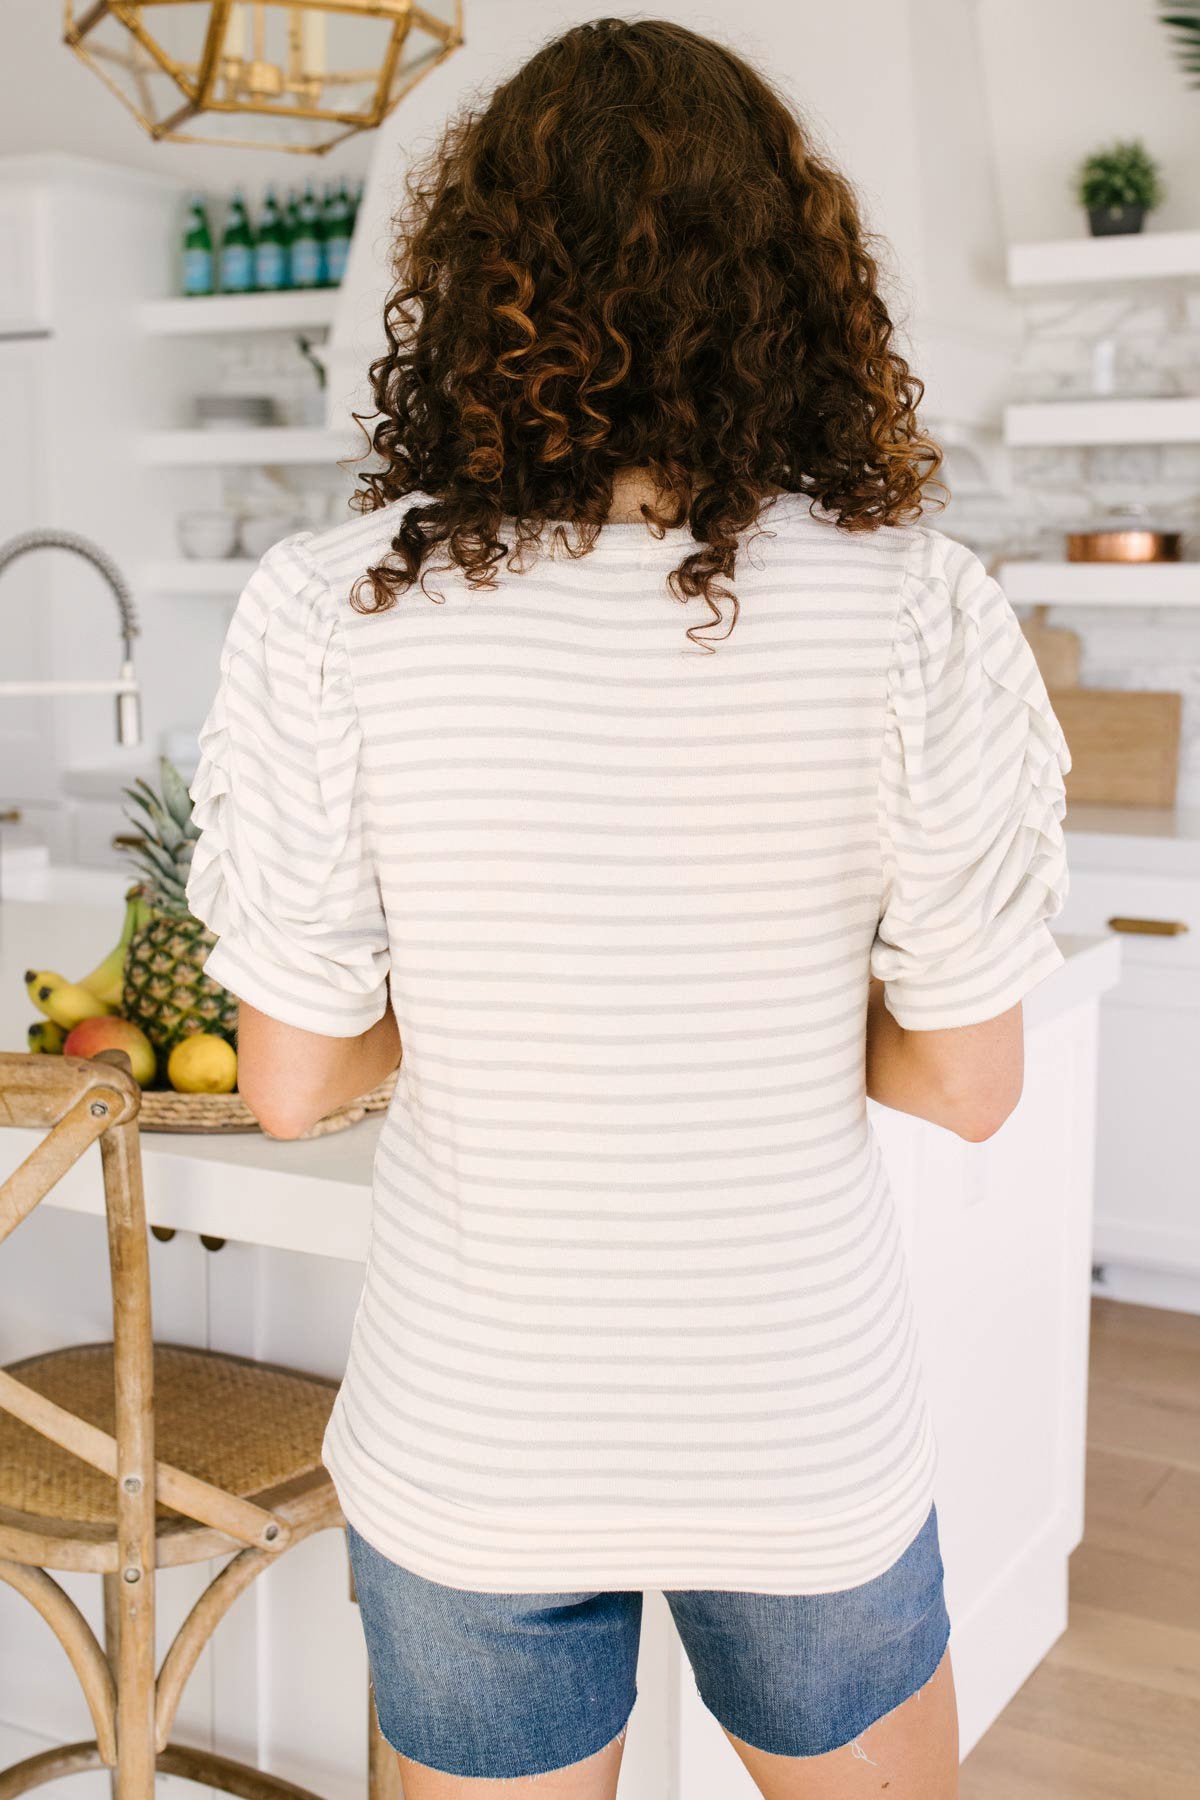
[(281, 870), (971, 802)]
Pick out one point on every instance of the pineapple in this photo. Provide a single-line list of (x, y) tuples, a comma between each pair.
[(165, 992)]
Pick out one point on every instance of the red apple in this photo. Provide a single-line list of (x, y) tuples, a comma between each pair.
[(110, 1033)]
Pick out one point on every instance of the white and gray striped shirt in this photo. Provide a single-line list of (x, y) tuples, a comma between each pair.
[(636, 1310)]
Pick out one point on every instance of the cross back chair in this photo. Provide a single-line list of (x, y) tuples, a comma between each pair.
[(83, 1485)]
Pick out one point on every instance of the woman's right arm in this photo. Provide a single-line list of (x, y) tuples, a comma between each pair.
[(966, 1078), (972, 797)]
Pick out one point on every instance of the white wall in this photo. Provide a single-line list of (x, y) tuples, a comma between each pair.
[(1064, 76)]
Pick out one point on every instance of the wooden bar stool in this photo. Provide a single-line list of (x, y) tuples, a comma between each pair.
[(128, 1457)]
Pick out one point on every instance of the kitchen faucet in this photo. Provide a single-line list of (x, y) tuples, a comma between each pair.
[(128, 694)]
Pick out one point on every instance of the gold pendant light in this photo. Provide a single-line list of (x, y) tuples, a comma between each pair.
[(295, 75)]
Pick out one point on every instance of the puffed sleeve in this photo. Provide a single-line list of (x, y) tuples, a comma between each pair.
[(971, 801), (281, 871)]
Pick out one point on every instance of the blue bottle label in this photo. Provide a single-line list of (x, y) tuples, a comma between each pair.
[(197, 271), (306, 263), (337, 250), (237, 269), (268, 266)]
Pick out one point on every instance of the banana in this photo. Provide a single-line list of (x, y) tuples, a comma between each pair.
[(46, 1038), (107, 978), (64, 1001)]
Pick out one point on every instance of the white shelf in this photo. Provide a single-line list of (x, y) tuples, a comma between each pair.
[(1101, 584), (246, 448), (194, 575), (1171, 421), (205, 313), (1133, 256)]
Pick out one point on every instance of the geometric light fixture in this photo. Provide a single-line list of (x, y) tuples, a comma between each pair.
[(297, 75)]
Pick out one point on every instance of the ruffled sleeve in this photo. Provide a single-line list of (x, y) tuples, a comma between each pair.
[(281, 871), (971, 802)]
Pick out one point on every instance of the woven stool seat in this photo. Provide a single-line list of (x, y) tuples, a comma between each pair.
[(248, 1427)]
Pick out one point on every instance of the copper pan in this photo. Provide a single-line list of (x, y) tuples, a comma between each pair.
[(1124, 544)]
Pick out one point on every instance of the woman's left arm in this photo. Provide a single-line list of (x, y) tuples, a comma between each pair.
[(282, 872), (290, 1078)]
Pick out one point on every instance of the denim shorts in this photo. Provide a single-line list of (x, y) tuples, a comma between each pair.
[(505, 1685)]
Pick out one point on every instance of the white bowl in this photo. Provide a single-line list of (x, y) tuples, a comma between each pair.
[(206, 536)]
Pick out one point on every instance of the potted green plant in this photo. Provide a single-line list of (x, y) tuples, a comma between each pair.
[(1183, 23), (1118, 186)]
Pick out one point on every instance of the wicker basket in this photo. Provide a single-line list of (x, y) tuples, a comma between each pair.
[(165, 1110)]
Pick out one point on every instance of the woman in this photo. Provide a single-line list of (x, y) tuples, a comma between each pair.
[(712, 792)]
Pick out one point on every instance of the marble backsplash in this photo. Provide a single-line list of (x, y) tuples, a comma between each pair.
[(1119, 345)]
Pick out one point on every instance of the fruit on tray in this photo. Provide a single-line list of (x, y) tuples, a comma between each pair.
[(202, 1064), (115, 1034), (107, 978), (165, 991), (149, 996), (66, 1002)]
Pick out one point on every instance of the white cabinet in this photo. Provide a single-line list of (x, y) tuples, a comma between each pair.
[(1145, 874)]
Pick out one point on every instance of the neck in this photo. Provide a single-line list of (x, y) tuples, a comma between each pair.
[(632, 489)]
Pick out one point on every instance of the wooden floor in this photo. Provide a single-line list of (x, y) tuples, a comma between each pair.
[(1114, 1711)]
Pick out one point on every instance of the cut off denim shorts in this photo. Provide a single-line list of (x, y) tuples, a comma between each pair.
[(508, 1685)]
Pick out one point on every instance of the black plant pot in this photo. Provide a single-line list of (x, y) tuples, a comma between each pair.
[(1115, 221)]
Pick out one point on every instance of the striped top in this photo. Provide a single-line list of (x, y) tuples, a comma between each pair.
[(636, 1310)]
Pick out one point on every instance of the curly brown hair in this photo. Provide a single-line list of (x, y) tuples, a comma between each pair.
[(631, 258)]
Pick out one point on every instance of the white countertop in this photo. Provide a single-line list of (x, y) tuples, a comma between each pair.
[(312, 1196), (1146, 839)]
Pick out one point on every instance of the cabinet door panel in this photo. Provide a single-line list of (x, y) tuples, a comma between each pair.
[(1147, 1192), (27, 766)]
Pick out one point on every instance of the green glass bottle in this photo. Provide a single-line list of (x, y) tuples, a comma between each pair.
[(197, 249), (237, 249), (271, 251), (291, 224), (337, 223), (306, 252)]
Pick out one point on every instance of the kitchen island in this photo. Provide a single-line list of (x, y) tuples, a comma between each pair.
[(999, 1239)]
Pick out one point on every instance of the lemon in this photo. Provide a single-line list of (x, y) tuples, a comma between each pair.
[(202, 1064)]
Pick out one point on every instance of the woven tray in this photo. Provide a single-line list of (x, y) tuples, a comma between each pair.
[(164, 1110)]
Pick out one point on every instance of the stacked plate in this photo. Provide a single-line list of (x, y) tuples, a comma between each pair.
[(225, 412)]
